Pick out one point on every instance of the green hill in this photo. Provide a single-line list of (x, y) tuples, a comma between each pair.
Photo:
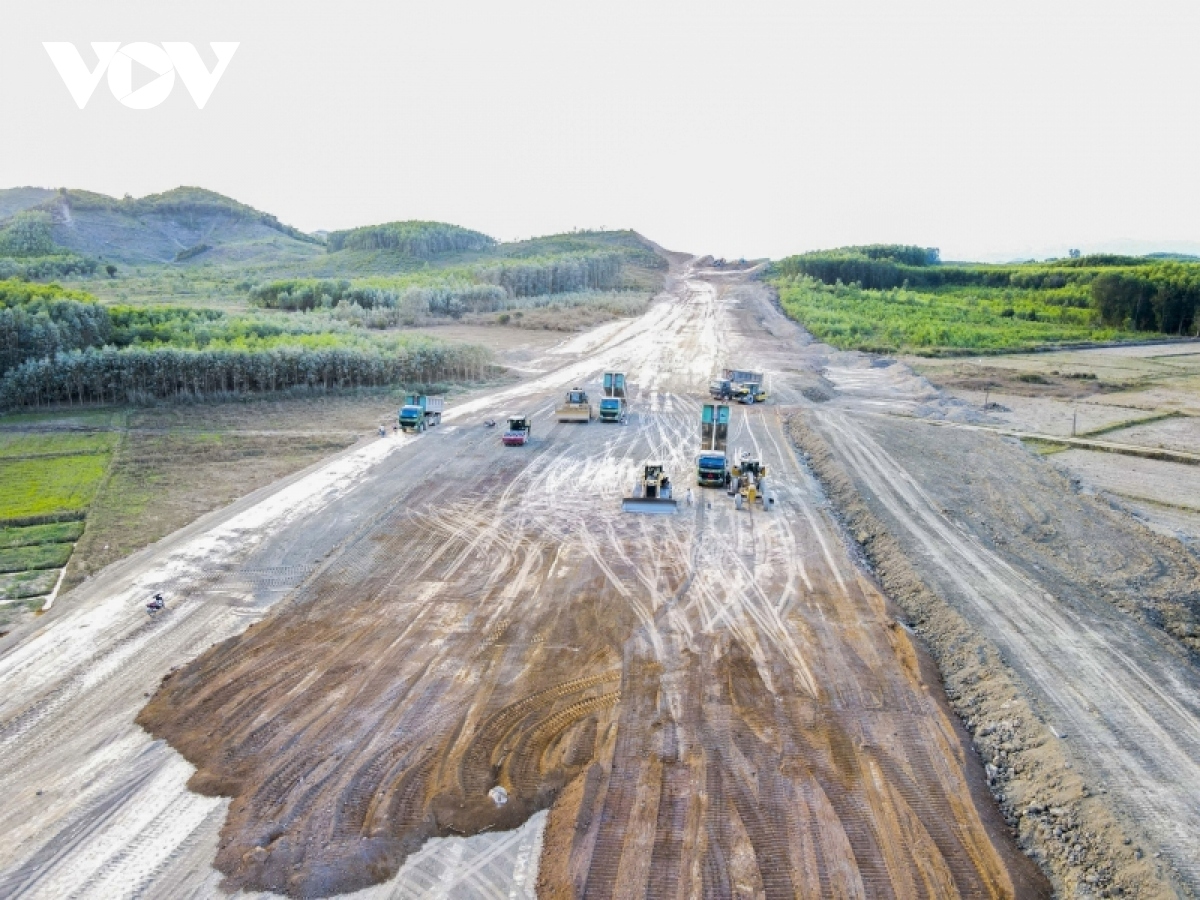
[(412, 238), (14, 200), (184, 225)]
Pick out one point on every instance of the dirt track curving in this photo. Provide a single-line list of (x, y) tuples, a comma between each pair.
[(718, 703)]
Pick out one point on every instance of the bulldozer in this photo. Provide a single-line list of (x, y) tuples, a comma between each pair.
[(575, 407), (652, 493), (749, 482)]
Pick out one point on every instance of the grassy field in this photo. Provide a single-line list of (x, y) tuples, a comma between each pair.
[(891, 299), (49, 486), (14, 444), (176, 463), (51, 467), (24, 592), (139, 474), (941, 320), (29, 535), (37, 556)]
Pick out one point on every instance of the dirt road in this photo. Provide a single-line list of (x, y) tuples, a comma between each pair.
[(1126, 698), (715, 703)]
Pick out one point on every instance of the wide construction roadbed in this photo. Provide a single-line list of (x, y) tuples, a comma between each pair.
[(716, 703)]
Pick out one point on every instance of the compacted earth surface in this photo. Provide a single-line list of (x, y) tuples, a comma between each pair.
[(436, 666)]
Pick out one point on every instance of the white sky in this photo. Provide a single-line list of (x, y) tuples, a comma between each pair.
[(988, 129)]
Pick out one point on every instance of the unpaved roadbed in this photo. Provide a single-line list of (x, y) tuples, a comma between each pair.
[(1043, 796), (713, 703)]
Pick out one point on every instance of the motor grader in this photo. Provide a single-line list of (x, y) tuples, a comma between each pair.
[(749, 482)]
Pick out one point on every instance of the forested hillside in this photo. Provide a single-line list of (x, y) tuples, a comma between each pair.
[(14, 200), (191, 294), (420, 239), (60, 346), (170, 227)]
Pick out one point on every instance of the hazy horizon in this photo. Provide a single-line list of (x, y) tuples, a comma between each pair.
[(991, 133), (1124, 246)]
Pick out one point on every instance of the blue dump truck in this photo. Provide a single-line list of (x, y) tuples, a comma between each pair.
[(712, 466), (711, 469), (420, 412), (613, 404)]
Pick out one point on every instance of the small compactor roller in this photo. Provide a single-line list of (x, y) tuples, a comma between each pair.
[(575, 407), (519, 430)]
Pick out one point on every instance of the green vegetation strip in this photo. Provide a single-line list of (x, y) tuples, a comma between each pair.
[(49, 486), (30, 535), (932, 323), (40, 556), (26, 444), (889, 299)]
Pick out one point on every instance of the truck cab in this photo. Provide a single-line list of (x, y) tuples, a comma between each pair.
[(412, 418), (711, 469), (612, 409), (420, 411), (721, 389)]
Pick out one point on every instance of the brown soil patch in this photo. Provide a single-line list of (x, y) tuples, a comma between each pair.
[(709, 704), (974, 377)]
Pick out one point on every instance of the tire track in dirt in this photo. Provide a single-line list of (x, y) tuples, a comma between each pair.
[(576, 656), (709, 703), (1105, 679)]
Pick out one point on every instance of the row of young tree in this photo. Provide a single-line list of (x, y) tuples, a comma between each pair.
[(137, 374), (451, 298), (63, 346), (482, 288), (44, 268), (413, 238), (596, 271), (43, 320), (1163, 298), (303, 294), (38, 320)]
